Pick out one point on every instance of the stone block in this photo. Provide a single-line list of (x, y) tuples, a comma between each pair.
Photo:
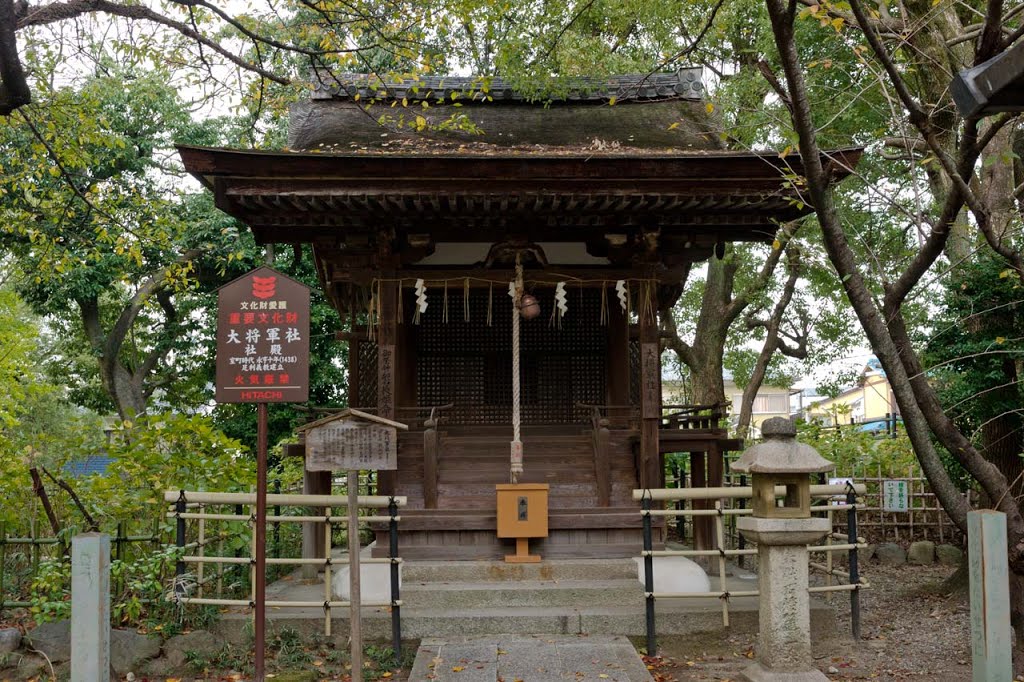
[(198, 643), (10, 640), (949, 555), (675, 574), (374, 583), (129, 650), (52, 640), (890, 554), (922, 553)]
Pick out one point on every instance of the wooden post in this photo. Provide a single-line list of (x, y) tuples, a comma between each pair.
[(703, 526), (90, 607), (617, 365), (602, 464), (355, 622), (430, 452), (650, 393), (387, 361), (991, 644), (313, 483)]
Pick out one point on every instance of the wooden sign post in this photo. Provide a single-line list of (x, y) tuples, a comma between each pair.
[(352, 441), (262, 357)]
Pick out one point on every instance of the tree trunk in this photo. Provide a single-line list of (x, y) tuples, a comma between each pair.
[(919, 405)]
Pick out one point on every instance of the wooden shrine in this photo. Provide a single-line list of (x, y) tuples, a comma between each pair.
[(416, 238)]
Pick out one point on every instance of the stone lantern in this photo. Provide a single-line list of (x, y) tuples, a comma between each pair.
[(782, 527)]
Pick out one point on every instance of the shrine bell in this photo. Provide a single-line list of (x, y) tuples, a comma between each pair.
[(781, 461)]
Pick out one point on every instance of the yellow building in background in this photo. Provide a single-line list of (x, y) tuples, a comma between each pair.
[(869, 400)]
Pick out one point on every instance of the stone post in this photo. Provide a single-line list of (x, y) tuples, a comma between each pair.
[(90, 607), (782, 529)]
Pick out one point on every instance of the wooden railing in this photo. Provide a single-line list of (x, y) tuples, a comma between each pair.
[(693, 417)]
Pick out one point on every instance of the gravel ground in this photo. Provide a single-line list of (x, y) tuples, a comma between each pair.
[(910, 631)]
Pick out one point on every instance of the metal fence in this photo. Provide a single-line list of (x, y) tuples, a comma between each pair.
[(205, 505), (723, 514)]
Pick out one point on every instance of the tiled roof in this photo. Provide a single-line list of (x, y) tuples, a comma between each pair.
[(682, 84)]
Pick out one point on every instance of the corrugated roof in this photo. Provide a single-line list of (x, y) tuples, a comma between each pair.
[(88, 466)]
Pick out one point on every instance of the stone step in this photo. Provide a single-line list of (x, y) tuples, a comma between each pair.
[(479, 595), (674, 617), (537, 658), (500, 571)]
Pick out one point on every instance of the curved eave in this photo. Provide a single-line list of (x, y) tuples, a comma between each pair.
[(696, 198), (710, 168)]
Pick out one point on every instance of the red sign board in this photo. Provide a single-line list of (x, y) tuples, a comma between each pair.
[(263, 339)]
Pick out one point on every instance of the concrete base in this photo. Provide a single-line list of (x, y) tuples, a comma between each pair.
[(758, 673), (675, 574)]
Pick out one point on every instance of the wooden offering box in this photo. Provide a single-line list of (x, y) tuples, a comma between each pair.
[(522, 514)]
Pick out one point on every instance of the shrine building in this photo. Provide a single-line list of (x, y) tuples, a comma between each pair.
[(417, 218)]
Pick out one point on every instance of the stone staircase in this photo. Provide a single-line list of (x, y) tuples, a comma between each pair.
[(562, 596), (463, 525)]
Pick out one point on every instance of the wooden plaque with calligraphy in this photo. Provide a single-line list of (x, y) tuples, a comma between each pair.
[(352, 440), (263, 339)]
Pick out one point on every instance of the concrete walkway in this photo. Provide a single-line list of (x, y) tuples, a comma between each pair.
[(528, 658)]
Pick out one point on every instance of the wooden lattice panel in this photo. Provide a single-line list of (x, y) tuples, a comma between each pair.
[(367, 369), (634, 372), (469, 363)]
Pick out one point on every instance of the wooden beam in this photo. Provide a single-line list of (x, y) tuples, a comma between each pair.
[(594, 277)]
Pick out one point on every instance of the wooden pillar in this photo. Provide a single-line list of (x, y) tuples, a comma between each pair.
[(650, 394), (617, 360), (313, 545), (387, 361), (703, 526)]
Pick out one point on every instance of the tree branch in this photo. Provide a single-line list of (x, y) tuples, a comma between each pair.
[(150, 287), (674, 342), (14, 90), (39, 15)]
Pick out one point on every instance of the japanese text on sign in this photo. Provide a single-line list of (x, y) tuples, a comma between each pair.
[(343, 445), (895, 497), (263, 339)]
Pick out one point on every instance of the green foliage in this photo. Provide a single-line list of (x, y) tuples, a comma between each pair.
[(51, 591), (167, 452), (977, 349), (859, 453)]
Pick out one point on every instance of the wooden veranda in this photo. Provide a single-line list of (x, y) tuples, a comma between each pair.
[(614, 228)]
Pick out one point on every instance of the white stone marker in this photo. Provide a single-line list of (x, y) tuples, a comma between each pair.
[(991, 645), (90, 608)]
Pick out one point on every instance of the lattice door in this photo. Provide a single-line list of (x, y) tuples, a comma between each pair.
[(469, 363)]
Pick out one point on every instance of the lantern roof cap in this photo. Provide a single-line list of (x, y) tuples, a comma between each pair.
[(780, 452)]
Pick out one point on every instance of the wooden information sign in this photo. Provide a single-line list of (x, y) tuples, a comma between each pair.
[(352, 440), (263, 339), (262, 357)]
